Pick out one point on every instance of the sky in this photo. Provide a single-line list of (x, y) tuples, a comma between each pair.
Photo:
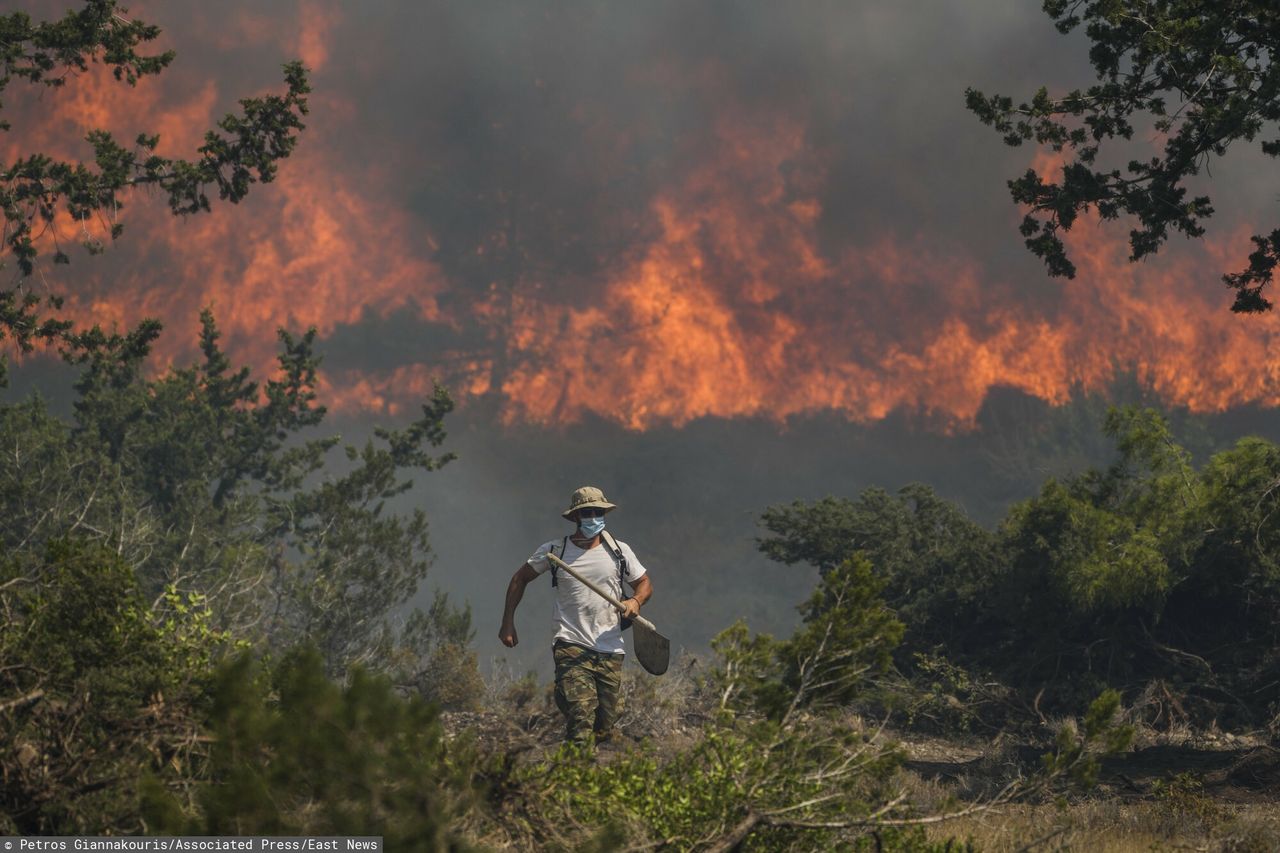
[(709, 256)]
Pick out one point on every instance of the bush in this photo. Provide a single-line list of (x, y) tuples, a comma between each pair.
[(96, 691), (1146, 571), (297, 754)]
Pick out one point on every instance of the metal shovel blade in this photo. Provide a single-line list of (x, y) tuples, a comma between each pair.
[(652, 649)]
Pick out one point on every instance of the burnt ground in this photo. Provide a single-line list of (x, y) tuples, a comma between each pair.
[(1246, 773)]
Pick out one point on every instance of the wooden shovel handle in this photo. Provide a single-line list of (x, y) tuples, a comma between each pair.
[(638, 619)]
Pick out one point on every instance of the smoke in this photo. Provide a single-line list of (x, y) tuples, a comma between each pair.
[(732, 211), (709, 255)]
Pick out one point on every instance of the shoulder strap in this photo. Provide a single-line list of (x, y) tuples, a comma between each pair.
[(611, 545), (563, 545)]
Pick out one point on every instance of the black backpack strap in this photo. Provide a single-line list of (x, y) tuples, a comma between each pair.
[(611, 545), (563, 545)]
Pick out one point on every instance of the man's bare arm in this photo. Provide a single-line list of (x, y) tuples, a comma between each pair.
[(641, 590), (515, 591)]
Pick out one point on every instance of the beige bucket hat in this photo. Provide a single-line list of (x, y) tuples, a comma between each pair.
[(587, 496)]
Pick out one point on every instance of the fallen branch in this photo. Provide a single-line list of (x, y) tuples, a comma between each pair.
[(30, 699)]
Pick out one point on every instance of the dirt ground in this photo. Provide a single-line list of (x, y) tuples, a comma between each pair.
[(1240, 772), (1207, 794)]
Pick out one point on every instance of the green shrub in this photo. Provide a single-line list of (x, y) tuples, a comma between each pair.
[(1184, 808), (847, 634), (295, 753), (97, 690), (1149, 570)]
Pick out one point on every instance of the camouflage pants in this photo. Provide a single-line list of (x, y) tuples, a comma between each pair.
[(587, 687)]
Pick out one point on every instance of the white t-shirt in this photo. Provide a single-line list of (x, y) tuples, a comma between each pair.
[(582, 617)]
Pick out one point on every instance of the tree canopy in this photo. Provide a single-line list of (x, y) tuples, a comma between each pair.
[(174, 517), (245, 147), (1152, 570), (1201, 73)]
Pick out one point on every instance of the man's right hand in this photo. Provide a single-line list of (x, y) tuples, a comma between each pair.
[(507, 634)]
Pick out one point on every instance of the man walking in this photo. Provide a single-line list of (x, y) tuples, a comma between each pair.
[(588, 647)]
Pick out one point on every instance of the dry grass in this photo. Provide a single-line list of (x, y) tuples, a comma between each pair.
[(1115, 826), (1175, 813), (1178, 790)]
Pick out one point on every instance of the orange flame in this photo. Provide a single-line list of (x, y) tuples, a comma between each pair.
[(311, 249), (736, 308), (733, 312)]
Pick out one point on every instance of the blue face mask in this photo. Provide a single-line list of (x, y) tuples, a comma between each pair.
[(591, 527)]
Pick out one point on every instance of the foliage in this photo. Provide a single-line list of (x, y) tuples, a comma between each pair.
[(1150, 570), (748, 676), (206, 484), (934, 562), (1147, 563), (95, 689), (38, 191), (168, 520), (296, 754), (808, 780), (943, 697), (1213, 59), (1073, 757), (1067, 550), (752, 779), (1183, 805), (243, 150), (177, 515), (847, 634), (757, 786), (439, 664)]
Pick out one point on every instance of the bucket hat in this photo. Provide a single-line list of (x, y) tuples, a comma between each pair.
[(587, 496)]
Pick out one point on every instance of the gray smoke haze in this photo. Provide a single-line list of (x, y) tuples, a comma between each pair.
[(513, 151), (689, 498)]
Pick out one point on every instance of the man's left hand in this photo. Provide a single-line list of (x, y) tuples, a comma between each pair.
[(630, 608)]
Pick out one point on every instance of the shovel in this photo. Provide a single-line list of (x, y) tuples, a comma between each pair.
[(652, 649)]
